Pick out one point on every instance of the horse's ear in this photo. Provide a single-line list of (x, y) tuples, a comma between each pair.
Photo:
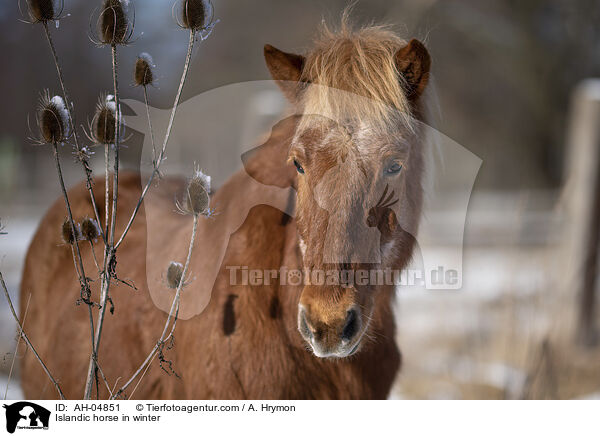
[(413, 62), (286, 69)]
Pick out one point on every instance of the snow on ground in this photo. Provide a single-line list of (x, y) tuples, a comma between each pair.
[(449, 339), (14, 391)]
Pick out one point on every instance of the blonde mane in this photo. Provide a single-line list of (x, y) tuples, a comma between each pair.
[(352, 76)]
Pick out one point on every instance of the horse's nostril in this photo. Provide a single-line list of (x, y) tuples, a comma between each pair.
[(351, 326)]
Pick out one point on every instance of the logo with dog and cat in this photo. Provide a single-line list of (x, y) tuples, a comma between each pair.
[(25, 415)]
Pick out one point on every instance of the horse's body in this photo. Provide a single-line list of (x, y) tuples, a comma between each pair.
[(263, 358), (245, 344)]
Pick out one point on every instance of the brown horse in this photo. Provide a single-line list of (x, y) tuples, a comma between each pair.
[(353, 155)]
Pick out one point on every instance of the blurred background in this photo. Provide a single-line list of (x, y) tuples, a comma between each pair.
[(513, 82)]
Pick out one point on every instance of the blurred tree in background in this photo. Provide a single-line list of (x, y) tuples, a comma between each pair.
[(503, 70)]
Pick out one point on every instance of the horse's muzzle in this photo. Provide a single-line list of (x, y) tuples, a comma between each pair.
[(337, 337)]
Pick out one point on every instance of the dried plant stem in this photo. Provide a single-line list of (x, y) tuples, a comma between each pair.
[(115, 386), (105, 288), (89, 305), (150, 126), (79, 264), (110, 251), (77, 259), (92, 368), (103, 378), (95, 258), (171, 322), (14, 358), (142, 377), (158, 161), (87, 171), (117, 137), (106, 189), (179, 91), (26, 339), (83, 281)]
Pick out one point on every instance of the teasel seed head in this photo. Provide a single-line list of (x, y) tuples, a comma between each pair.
[(53, 119), (104, 123), (174, 275), (90, 229), (143, 70), (196, 14), (41, 11), (113, 25), (67, 232), (197, 196)]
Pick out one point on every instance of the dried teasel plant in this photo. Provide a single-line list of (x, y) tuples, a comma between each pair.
[(90, 230), (143, 74), (113, 244), (42, 11), (103, 127), (197, 16), (196, 199), (52, 120), (174, 275), (177, 274), (69, 234), (114, 27)]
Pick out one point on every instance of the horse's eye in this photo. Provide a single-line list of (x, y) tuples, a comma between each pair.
[(393, 169), (298, 167)]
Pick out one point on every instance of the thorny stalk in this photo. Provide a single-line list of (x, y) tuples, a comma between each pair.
[(167, 332), (159, 160), (116, 156), (110, 249), (12, 363), (86, 168), (106, 189), (27, 341), (150, 126), (108, 231), (142, 377), (89, 305), (95, 258), (103, 378), (86, 294)]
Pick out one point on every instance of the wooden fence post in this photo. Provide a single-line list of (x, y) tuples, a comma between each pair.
[(583, 202)]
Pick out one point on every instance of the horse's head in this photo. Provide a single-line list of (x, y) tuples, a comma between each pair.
[(359, 163)]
